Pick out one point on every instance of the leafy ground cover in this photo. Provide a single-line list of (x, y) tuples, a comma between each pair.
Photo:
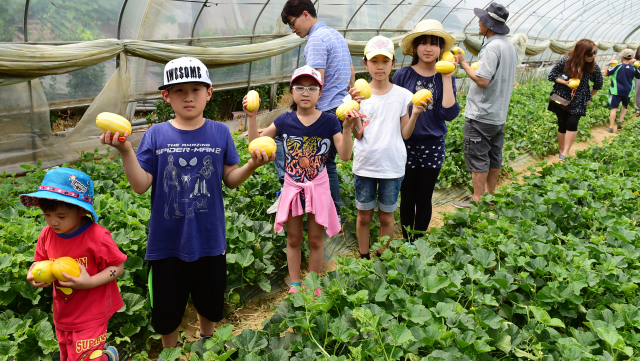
[(255, 253), (550, 273)]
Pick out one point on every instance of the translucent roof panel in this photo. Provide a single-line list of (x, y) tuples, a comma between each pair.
[(170, 19), (72, 20), (11, 20), (230, 18)]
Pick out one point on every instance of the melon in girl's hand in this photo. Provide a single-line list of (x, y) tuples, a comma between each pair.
[(42, 272), (253, 100), (67, 265), (263, 143)]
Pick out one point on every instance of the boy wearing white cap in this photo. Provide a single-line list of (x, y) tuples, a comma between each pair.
[(185, 161), (622, 81), (380, 154)]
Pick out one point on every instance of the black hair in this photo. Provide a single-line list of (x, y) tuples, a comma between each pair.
[(295, 8), (294, 106), (51, 205), (424, 39)]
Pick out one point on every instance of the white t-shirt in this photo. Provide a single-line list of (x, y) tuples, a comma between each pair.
[(381, 152)]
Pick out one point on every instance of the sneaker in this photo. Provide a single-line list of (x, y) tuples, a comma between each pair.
[(609, 129), (619, 125), (465, 203), (561, 156), (274, 207), (111, 353)]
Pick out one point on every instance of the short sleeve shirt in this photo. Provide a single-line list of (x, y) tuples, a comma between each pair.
[(327, 49), (497, 62), (306, 148), (381, 152), (622, 79), (187, 212), (93, 247)]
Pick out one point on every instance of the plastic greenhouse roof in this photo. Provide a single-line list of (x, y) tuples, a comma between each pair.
[(224, 23)]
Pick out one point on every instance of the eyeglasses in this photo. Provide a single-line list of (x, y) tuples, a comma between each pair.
[(311, 89), (592, 54), (293, 23)]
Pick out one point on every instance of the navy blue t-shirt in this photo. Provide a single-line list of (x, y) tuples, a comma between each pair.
[(622, 76), (306, 148), (187, 212)]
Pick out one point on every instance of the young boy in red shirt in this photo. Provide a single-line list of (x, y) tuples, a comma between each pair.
[(83, 305)]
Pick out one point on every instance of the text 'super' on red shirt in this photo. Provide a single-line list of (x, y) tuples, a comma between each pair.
[(93, 247)]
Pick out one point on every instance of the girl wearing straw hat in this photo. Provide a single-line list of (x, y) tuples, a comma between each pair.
[(426, 146)]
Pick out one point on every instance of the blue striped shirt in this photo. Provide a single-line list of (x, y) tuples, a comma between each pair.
[(326, 49)]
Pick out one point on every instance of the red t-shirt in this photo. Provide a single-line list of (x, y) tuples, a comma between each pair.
[(91, 245)]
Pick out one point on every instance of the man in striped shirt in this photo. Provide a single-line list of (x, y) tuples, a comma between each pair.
[(327, 52)]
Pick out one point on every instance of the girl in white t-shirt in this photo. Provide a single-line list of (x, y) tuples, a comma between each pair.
[(380, 154)]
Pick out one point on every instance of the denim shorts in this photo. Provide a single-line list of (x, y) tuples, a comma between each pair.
[(387, 191)]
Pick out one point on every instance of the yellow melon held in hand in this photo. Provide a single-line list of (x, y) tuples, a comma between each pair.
[(422, 95), (636, 64), (448, 56), (263, 143), (445, 67), (363, 86), (115, 123), (456, 50), (342, 110), (253, 101), (574, 83), (474, 66), (41, 272), (67, 265)]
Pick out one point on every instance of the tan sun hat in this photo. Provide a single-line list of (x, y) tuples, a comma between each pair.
[(426, 27)]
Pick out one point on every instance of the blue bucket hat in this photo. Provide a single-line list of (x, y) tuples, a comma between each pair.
[(66, 185)]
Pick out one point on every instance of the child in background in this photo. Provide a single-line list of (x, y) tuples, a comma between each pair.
[(307, 135), (426, 146), (622, 81), (185, 161), (83, 305), (380, 154)]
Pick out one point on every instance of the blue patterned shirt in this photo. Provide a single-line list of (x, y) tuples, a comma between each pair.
[(326, 49)]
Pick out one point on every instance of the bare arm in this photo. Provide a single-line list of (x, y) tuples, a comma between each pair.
[(408, 123), (139, 179), (233, 176), (352, 78), (343, 141), (482, 82), (85, 281)]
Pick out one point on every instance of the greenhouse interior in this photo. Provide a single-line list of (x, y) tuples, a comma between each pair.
[(544, 269)]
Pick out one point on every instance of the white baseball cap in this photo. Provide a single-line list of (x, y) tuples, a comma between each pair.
[(379, 45), (185, 70)]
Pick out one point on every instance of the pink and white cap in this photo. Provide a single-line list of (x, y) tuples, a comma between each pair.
[(306, 70), (379, 45)]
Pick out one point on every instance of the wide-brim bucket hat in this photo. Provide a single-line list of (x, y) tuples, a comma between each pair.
[(426, 27), (494, 17), (66, 185)]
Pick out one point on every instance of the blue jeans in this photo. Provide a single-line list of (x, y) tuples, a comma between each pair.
[(372, 192), (332, 168)]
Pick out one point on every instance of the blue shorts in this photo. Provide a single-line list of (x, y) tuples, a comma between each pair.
[(615, 100), (387, 191)]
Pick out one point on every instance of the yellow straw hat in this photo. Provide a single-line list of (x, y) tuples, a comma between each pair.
[(426, 27)]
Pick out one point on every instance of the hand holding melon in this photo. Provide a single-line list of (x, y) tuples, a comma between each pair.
[(115, 124), (50, 271), (251, 102), (360, 90)]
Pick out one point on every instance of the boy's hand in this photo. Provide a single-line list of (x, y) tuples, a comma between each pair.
[(34, 283), (355, 95), (244, 107), (106, 138), (259, 158), (83, 281), (417, 109), (351, 117)]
